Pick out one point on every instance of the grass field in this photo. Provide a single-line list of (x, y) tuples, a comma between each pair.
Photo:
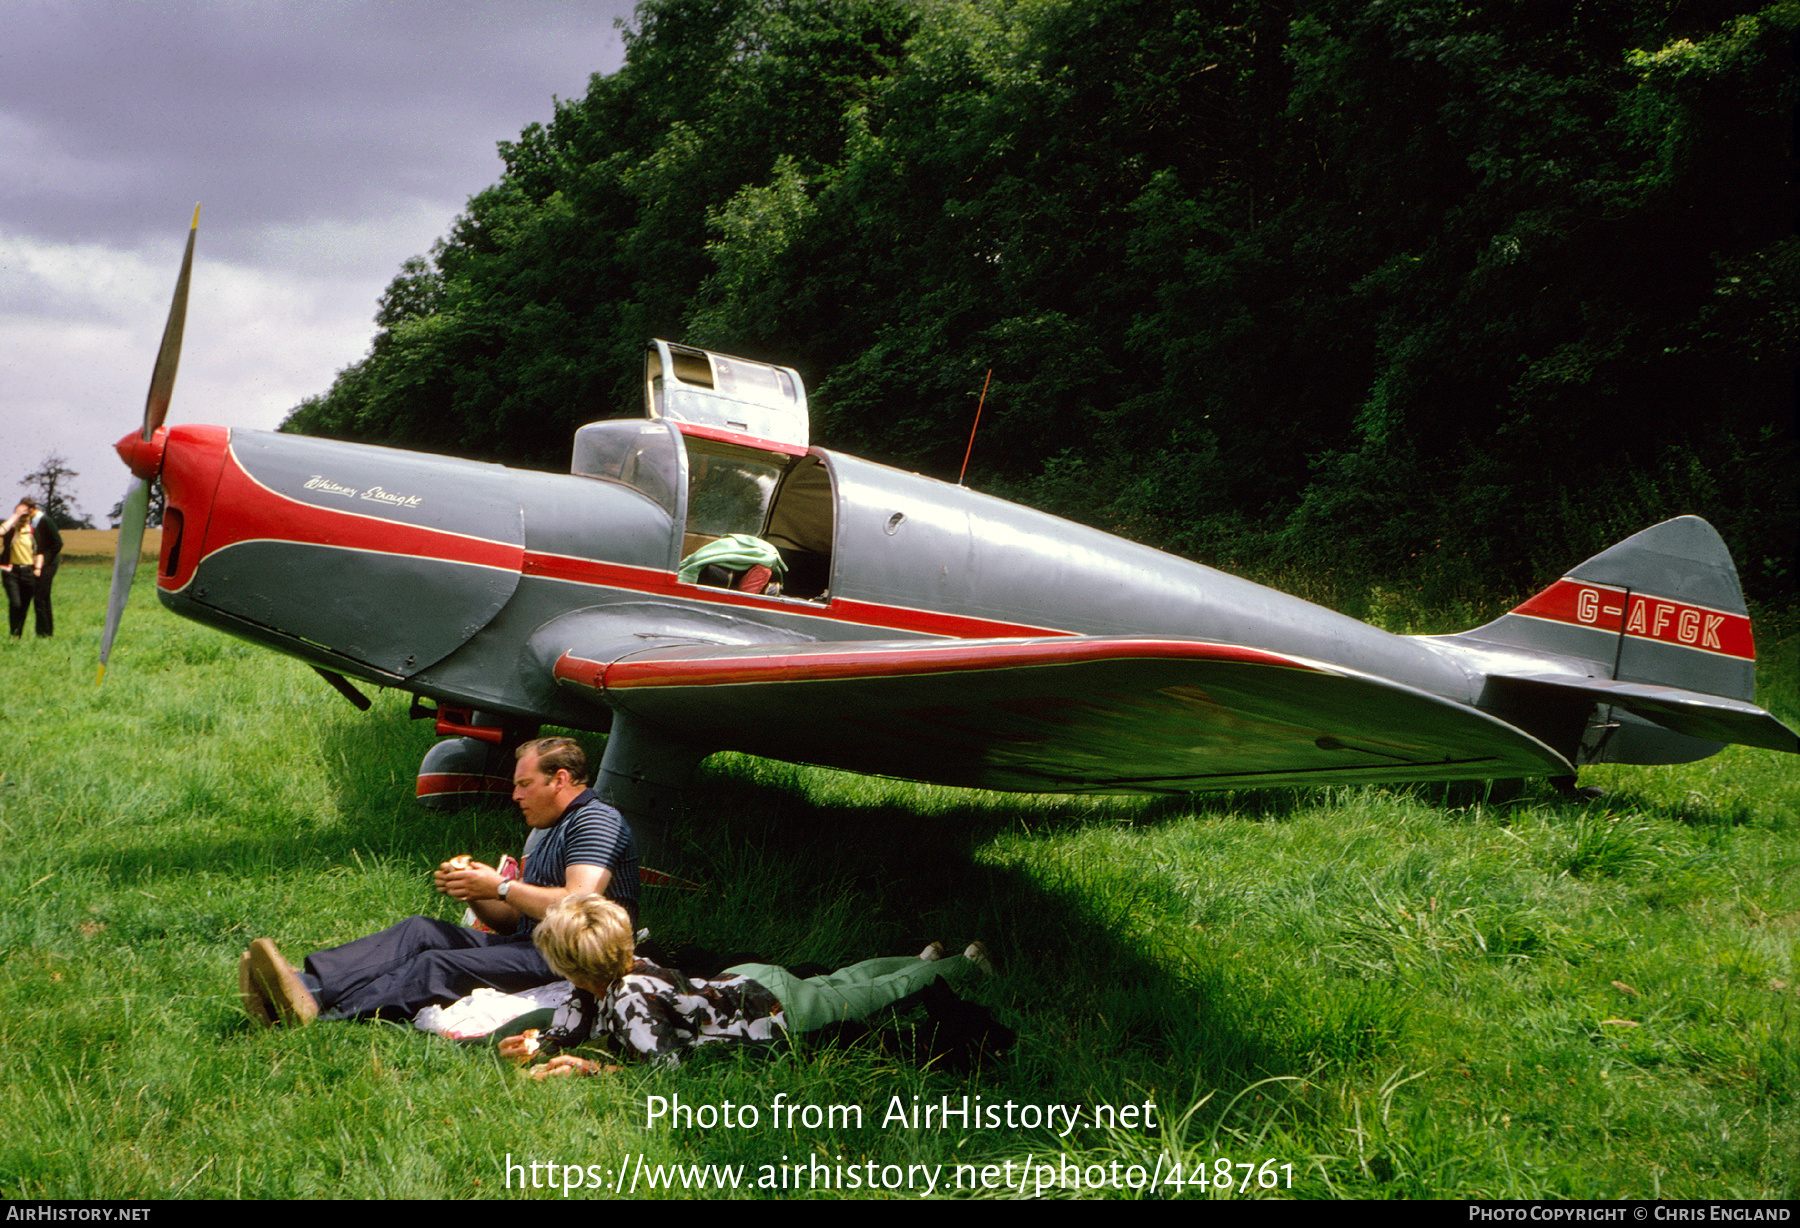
[(1352, 993)]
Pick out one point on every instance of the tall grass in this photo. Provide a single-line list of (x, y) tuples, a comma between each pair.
[(1382, 992)]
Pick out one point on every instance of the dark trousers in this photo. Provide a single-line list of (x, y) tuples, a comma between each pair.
[(24, 590), (20, 585), (418, 963)]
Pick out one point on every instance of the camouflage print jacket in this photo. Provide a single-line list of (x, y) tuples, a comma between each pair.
[(660, 1014)]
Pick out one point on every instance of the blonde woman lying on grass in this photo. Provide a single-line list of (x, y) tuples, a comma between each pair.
[(660, 1014)]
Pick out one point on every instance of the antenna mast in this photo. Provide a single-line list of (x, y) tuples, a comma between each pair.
[(976, 423)]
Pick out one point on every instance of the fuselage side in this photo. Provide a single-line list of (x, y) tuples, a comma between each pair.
[(434, 574)]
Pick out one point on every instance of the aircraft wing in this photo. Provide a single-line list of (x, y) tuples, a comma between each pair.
[(1065, 714)]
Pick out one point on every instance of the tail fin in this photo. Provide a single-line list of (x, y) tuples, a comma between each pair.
[(1657, 629)]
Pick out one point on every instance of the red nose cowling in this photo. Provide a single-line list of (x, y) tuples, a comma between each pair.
[(188, 459), (143, 456)]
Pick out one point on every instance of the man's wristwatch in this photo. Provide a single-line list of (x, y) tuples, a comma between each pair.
[(505, 886)]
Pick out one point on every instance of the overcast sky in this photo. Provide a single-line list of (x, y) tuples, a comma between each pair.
[(325, 141)]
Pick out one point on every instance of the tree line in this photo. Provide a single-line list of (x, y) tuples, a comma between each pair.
[(1447, 295)]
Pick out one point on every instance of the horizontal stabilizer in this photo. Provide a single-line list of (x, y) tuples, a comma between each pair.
[(1715, 718)]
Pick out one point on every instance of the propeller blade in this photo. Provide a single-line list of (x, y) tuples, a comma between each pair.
[(136, 507), (162, 379), (125, 562)]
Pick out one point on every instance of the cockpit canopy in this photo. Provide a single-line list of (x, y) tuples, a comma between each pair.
[(740, 424), (723, 450), (764, 405)]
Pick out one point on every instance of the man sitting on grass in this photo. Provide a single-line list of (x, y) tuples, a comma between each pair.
[(658, 1013), (578, 846)]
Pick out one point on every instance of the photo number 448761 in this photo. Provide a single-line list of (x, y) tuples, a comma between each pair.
[(1228, 1177)]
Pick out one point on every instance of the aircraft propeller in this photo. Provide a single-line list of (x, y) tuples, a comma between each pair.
[(136, 507)]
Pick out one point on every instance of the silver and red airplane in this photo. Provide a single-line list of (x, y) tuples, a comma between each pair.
[(894, 625)]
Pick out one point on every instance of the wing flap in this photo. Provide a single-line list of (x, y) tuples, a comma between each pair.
[(1064, 714)]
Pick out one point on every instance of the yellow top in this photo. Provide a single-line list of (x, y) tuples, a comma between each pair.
[(24, 547)]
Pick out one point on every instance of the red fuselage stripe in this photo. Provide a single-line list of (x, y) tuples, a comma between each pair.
[(1607, 608), (244, 509), (847, 664), (653, 582)]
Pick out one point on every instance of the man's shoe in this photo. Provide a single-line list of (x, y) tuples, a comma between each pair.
[(977, 955), (280, 985), (255, 1005), (932, 953)]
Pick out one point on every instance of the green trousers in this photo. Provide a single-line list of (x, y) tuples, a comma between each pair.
[(849, 993)]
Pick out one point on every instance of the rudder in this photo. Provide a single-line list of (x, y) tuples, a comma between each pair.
[(1663, 606), (1659, 628)]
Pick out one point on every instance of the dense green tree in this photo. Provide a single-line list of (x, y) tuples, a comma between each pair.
[(49, 485), (1557, 232), (1440, 293)]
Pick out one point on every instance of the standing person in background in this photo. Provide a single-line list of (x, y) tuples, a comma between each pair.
[(29, 549)]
